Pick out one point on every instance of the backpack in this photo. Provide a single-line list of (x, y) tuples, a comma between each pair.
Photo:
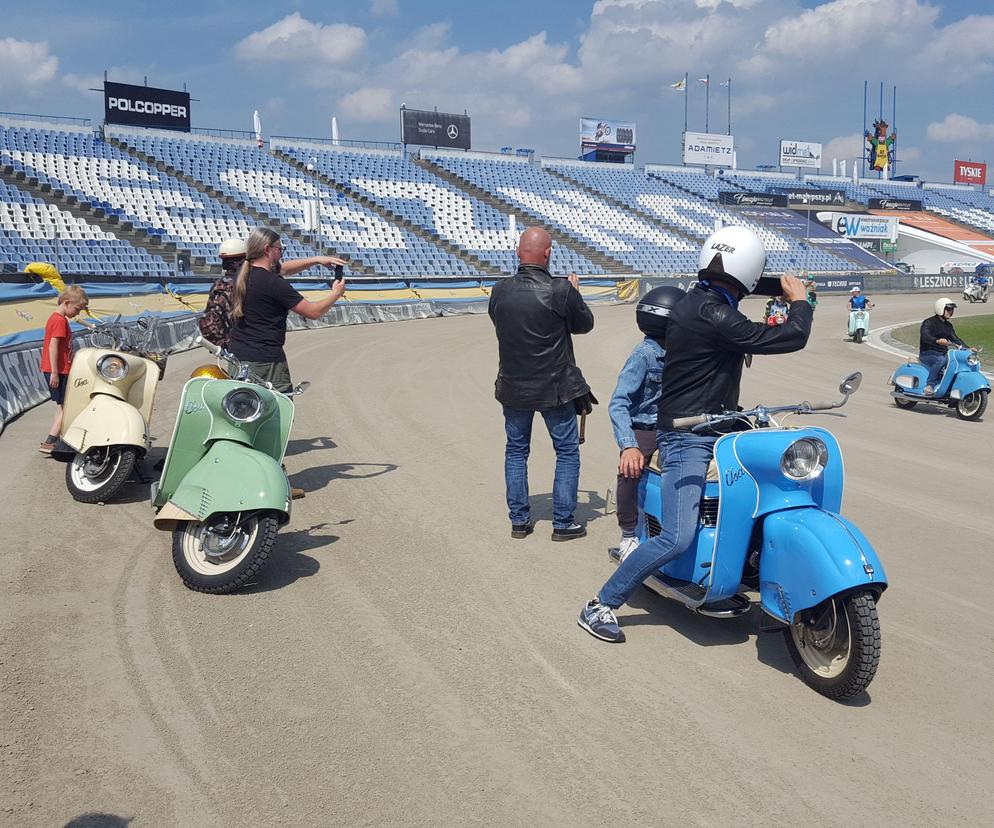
[(215, 324)]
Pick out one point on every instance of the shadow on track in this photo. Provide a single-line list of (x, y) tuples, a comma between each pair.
[(288, 562)]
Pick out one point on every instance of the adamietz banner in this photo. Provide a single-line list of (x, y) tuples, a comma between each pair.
[(905, 205), (969, 172), (752, 199), (605, 134), (435, 129), (800, 154), (708, 148), (146, 106)]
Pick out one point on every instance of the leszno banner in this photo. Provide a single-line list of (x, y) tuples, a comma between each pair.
[(752, 199), (434, 129), (604, 134), (970, 172), (905, 205), (146, 106), (800, 154), (708, 148)]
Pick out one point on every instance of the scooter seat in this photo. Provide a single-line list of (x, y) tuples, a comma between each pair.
[(710, 477)]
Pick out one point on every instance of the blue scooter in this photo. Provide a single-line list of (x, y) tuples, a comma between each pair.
[(962, 387), (769, 522)]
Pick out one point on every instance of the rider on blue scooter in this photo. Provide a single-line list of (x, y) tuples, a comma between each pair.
[(937, 334), (708, 339)]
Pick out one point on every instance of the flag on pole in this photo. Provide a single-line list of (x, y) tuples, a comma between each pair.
[(725, 83), (257, 125), (705, 81), (679, 86)]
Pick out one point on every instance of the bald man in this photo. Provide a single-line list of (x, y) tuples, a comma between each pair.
[(535, 316)]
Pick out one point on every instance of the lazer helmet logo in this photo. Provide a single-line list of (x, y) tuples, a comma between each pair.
[(722, 248)]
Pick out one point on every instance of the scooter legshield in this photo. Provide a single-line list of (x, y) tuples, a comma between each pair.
[(106, 421), (231, 477), (809, 555)]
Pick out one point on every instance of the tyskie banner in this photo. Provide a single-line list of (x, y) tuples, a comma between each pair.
[(146, 106), (970, 172)]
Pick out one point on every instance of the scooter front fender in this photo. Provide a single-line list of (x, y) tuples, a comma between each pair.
[(230, 477), (966, 382), (809, 555), (106, 421)]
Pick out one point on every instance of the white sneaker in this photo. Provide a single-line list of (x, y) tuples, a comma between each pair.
[(627, 546)]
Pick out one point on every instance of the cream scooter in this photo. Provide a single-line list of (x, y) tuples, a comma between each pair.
[(107, 409)]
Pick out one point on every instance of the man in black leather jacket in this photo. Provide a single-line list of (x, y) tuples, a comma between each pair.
[(935, 337), (707, 341), (535, 315)]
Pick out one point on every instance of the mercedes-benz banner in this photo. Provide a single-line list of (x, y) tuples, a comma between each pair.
[(146, 106), (604, 134), (434, 129), (800, 154), (708, 148)]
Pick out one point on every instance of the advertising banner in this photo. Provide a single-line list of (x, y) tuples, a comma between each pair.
[(708, 148), (752, 199), (813, 197), (435, 129), (969, 172), (863, 226), (605, 134), (146, 106), (800, 154), (905, 205)]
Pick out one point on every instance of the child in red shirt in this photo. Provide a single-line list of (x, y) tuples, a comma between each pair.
[(56, 355)]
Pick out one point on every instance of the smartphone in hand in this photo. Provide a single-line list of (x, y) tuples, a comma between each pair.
[(339, 272)]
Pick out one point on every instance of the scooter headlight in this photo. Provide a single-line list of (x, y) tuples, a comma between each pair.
[(804, 459), (243, 405), (973, 360), (112, 368)]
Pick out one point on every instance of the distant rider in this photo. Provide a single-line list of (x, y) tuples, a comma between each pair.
[(937, 334), (707, 340), (857, 301)]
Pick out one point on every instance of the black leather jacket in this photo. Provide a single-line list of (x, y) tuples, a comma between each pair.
[(933, 328), (706, 343), (534, 315)]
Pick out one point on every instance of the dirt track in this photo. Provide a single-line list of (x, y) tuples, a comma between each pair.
[(403, 661)]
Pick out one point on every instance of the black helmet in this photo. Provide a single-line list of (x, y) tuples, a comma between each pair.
[(653, 310)]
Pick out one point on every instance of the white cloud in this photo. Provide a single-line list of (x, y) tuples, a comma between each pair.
[(25, 63), (85, 83), (955, 128), (297, 40), (842, 147), (383, 8), (370, 105)]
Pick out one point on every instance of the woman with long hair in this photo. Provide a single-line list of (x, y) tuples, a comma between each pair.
[(261, 302)]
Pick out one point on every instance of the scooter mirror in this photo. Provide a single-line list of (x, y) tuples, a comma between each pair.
[(300, 388), (851, 383)]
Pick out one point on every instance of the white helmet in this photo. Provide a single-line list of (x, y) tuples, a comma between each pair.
[(854, 290), (232, 247), (942, 304), (736, 253)]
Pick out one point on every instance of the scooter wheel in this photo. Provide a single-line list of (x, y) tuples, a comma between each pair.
[(95, 477), (907, 405), (859, 335), (836, 645), (219, 556), (972, 406)]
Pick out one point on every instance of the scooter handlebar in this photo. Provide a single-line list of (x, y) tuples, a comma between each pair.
[(690, 422), (822, 406)]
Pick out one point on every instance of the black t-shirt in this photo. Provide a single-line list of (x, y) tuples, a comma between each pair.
[(260, 333)]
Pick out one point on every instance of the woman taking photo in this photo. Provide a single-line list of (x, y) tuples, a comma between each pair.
[(261, 301)]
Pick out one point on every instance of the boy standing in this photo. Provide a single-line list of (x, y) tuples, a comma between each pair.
[(56, 355)]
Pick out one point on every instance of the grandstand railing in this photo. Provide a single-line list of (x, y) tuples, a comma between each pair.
[(47, 119), (344, 144), (213, 132)]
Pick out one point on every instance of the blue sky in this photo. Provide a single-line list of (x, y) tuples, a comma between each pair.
[(527, 71)]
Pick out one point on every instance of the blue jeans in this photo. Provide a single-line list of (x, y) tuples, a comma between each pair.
[(684, 459), (936, 364), (561, 423)]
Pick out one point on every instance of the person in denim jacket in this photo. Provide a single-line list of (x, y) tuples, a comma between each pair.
[(633, 406)]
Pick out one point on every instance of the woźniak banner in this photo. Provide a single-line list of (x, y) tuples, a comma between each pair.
[(708, 148), (146, 106), (752, 199)]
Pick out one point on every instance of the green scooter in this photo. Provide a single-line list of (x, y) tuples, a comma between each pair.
[(223, 492)]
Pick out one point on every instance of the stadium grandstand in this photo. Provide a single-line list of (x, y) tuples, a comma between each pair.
[(125, 201)]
